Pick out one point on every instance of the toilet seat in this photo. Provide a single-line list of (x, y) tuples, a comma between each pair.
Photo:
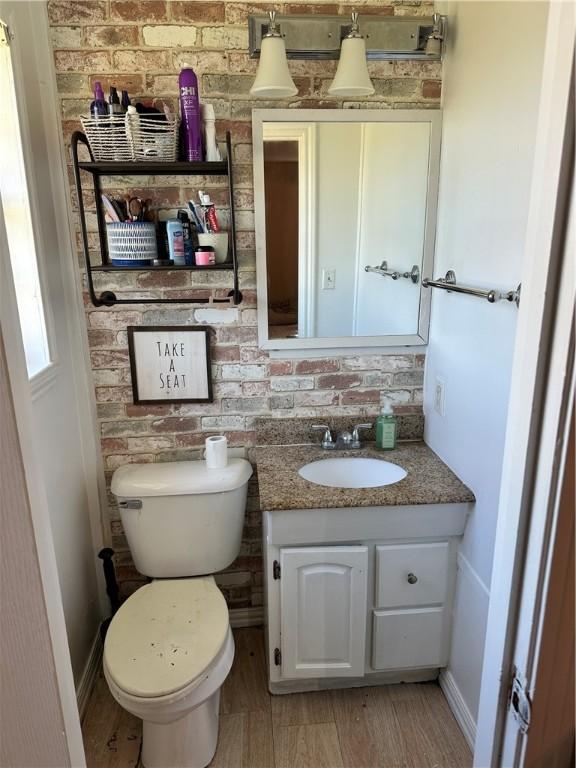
[(165, 636)]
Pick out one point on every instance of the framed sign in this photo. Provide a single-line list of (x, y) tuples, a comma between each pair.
[(170, 364)]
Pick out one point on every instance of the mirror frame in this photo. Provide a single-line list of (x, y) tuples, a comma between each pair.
[(261, 116)]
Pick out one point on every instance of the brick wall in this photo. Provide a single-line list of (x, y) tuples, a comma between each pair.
[(141, 46)]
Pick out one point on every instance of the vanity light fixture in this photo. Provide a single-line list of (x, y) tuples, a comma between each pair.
[(435, 39), (319, 36), (273, 78), (352, 78)]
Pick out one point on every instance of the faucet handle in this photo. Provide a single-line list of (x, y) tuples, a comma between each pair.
[(327, 441), (356, 433)]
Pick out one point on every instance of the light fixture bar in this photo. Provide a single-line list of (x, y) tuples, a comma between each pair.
[(320, 37)]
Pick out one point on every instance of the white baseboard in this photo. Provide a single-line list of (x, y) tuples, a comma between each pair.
[(91, 670), (246, 617), (458, 706)]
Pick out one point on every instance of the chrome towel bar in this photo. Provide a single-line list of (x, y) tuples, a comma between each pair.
[(449, 283), (383, 270)]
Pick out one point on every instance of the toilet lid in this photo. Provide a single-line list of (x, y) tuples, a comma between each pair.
[(165, 635)]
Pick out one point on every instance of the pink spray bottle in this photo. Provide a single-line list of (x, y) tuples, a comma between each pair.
[(190, 112)]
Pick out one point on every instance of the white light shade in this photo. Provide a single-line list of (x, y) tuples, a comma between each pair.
[(273, 79), (352, 78)]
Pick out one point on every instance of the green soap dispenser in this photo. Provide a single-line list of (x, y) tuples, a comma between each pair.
[(386, 429)]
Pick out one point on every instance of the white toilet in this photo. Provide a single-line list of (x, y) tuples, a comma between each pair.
[(169, 647)]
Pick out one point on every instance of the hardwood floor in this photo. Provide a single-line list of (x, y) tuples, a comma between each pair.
[(395, 726)]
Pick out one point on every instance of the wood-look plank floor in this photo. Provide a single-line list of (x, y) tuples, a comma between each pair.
[(394, 726)]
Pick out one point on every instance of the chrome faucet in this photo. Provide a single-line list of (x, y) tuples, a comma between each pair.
[(345, 441)]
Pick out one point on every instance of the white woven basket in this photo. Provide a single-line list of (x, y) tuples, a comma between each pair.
[(131, 138), (152, 139), (130, 241), (108, 138)]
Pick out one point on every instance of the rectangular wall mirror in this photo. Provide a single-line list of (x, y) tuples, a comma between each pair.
[(345, 205)]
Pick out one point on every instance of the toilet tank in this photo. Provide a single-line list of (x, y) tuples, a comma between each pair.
[(180, 518)]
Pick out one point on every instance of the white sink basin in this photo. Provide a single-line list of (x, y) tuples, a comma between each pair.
[(352, 472)]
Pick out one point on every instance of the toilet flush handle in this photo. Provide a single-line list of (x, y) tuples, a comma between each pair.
[(130, 504)]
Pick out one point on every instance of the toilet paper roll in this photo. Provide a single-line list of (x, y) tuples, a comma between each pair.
[(216, 452)]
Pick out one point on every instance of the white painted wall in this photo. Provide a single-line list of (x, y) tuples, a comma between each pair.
[(491, 84)]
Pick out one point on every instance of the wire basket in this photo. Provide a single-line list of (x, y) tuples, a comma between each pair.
[(132, 138), (108, 138), (153, 139), (131, 243)]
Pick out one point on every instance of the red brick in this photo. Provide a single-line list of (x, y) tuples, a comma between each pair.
[(237, 13), (311, 9), (111, 36), (324, 398), (360, 397), (147, 410), (141, 61), (229, 353), (338, 381), (317, 366), (134, 84), (346, 9), (253, 355), (279, 368), (113, 445), (109, 358), (176, 424), (255, 388), (163, 279), (98, 338), (82, 61), (114, 394), (431, 89), (240, 130), (197, 11), (77, 11), (140, 12)]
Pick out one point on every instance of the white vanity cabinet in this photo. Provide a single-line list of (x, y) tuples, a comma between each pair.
[(359, 596)]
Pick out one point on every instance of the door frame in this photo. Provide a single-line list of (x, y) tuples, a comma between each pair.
[(539, 369), (25, 390)]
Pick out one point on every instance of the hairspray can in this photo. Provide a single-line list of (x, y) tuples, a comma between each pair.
[(190, 113)]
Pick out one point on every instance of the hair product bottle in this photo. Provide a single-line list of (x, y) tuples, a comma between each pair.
[(190, 112)]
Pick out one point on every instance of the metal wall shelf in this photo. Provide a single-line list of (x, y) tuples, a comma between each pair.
[(99, 169)]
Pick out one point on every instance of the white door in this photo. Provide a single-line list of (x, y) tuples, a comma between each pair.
[(41, 310), (323, 594)]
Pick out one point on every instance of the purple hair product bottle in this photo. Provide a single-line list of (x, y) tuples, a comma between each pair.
[(190, 112)]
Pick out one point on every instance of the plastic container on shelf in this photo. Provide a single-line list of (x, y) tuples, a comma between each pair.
[(131, 243)]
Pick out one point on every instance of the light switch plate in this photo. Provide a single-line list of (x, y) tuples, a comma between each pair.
[(328, 279), (440, 396)]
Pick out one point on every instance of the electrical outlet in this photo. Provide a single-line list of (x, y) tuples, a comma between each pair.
[(439, 396), (328, 279)]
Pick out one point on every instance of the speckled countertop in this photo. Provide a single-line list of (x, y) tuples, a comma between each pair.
[(429, 480)]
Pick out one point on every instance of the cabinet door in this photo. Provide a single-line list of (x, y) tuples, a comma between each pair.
[(407, 639), (323, 594)]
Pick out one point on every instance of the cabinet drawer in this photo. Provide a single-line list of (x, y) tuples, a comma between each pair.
[(404, 639), (411, 574)]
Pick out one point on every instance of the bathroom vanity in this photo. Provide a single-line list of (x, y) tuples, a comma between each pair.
[(359, 581)]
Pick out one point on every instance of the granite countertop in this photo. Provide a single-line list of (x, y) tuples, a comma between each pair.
[(429, 480)]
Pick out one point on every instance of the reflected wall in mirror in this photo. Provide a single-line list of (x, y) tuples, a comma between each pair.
[(345, 207)]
